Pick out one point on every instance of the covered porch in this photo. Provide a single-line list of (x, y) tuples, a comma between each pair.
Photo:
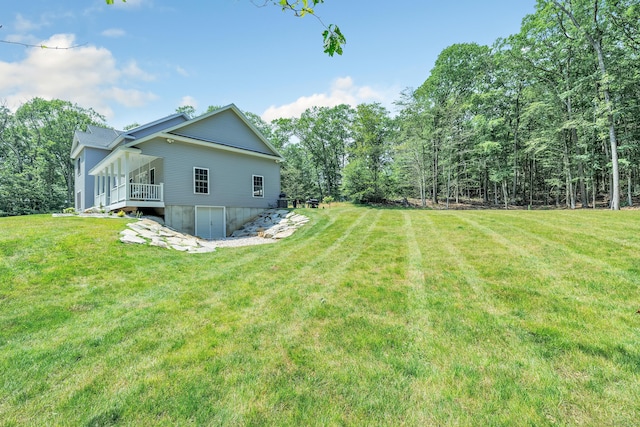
[(127, 179)]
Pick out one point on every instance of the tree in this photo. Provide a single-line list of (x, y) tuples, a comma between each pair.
[(589, 21), (447, 93), (366, 177), (413, 149), (297, 179), (188, 110), (325, 133), (35, 143)]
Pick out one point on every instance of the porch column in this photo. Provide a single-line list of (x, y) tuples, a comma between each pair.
[(119, 180), (103, 185), (111, 182), (126, 178), (96, 189)]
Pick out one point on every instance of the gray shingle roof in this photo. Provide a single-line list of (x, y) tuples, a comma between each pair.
[(97, 136)]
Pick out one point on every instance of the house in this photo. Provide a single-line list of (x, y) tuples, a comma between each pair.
[(205, 176)]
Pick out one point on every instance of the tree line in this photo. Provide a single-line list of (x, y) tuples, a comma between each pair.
[(36, 172), (547, 116)]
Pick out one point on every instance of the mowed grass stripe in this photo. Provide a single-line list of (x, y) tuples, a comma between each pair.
[(575, 256), (293, 337), (581, 229), (571, 311), (321, 329), (620, 223), (467, 343)]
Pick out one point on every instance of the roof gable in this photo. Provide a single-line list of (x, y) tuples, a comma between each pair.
[(94, 136), (226, 126)]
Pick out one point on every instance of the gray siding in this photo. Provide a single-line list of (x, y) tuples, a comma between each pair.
[(79, 181), (230, 175), (84, 183), (228, 129)]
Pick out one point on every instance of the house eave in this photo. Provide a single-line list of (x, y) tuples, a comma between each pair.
[(171, 137), (217, 146), (78, 149), (120, 151)]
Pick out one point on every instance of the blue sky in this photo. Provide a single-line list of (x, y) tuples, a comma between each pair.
[(141, 60)]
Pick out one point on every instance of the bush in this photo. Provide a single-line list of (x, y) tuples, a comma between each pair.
[(121, 214), (69, 210)]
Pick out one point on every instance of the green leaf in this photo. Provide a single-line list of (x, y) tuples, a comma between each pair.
[(333, 40)]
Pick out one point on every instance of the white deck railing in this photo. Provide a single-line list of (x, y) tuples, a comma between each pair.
[(146, 192), (137, 192)]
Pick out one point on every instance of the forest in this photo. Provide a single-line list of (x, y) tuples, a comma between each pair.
[(545, 117)]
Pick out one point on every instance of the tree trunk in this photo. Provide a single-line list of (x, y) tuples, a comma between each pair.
[(629, 190), (434, 189), (570, 201), (448, 185), (584, 196), (514, 191), (597, 47), (485, 184), (593, 195), (505, 193), (531, 177)]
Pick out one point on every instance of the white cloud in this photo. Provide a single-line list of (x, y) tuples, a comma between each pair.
[(114, 32), (133, 71), (189, 101), (87, 75), (129, 97), (23, 25), (182, 71), (342, 91)]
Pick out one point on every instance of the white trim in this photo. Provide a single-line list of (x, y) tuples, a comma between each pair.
[(134, 204), (253, 186), (215, 145), (112, 157), (194, 181)]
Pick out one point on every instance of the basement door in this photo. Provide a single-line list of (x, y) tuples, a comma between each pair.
[(210, 222)]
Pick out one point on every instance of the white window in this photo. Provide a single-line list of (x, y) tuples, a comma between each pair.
[(258, 186), (146, 177), (78, 166), (201, 181), (142, 178)]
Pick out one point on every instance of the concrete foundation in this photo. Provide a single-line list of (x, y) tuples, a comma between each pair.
[(237, 217), (183, 218)]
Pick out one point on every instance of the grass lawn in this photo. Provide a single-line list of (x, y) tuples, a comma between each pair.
[(363, 317)]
